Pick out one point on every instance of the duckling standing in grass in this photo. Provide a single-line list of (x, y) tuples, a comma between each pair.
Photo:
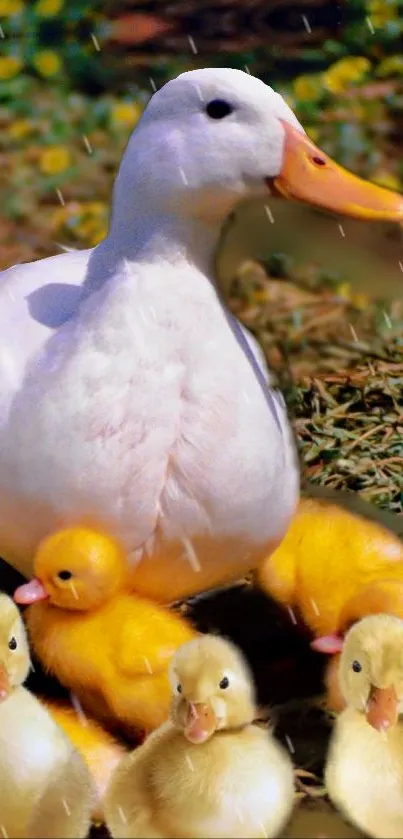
[(208, 771), (364, 771), (45, 786), (110, 647)]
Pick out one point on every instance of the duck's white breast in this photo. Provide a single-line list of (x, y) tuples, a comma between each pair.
[(143, 412)]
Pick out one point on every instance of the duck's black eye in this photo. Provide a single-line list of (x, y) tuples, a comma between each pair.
[(179, 688), (357, 667), (224, 683), (12, 644), (218, 109), (65, 575)]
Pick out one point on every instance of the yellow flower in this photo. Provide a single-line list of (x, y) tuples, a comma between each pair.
[(10, 65), (343, 290), (385, 178), (86, 227), (59, 218), (344, 72), (20, 128), (63, 215), (360, 300), (95, 208), (8, 8), (99, 236), (47, 63), (308, 88), (126, 113), (382, 11), (54, 159), (48, 8), (392, 65)]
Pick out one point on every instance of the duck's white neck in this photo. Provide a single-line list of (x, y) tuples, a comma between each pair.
[(139, 235)]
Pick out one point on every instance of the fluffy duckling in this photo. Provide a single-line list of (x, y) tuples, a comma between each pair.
[(364, 772), (326, 559), (101, 752), (110, 647), (382, 596), (45, 786), (208, 771)]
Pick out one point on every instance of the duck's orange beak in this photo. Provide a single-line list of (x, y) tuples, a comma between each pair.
[(383, 709), (311, 176), (201, 722), (30, 592), (5, 686)]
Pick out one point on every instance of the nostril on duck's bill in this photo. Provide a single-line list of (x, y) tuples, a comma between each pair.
[(5, 686), (201, 722), (310, 176), (383, 708)]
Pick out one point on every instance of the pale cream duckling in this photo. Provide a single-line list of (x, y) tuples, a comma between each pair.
[(45, 786), (364, 772), (208, 771)]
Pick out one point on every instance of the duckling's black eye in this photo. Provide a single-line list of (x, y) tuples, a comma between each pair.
[(65, 575), (218, 109), (179, 688), (224, 683), (12, 644), (357, 667)]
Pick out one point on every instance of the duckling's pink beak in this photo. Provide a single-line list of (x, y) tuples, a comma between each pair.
[(383, 711), (30, 592), (328, 644), (5, 686), (309, 175), (201, 722)]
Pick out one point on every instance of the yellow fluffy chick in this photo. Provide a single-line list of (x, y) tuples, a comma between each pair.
[(327, 558), (45, 786), (101, 752), (106, 644), (208, 771), (364, 771)]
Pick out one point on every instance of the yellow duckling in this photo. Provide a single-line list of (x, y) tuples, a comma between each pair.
[(45, 786), (208, 771), (108, 646), (364, 772)]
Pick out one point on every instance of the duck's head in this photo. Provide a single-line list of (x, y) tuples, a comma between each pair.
[(14, 652), (212, 688), (383, 596), (371, 669), (77, 568), (211, 138)]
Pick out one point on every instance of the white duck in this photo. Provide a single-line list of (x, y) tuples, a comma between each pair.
[(129, 396)]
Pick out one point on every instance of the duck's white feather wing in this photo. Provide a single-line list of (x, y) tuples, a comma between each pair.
[(35, 299)]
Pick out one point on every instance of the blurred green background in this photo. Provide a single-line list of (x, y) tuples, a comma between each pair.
[(75, 76)]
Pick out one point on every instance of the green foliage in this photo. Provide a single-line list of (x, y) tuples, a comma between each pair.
[(53, 39)]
